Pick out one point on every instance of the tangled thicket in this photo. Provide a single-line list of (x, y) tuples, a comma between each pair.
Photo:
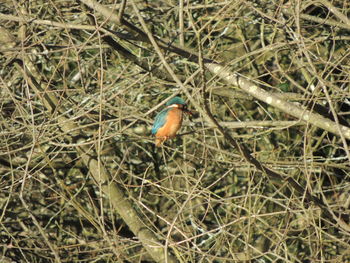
[(247, 179)]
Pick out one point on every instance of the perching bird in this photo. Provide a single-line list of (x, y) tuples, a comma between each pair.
[(169, 120)]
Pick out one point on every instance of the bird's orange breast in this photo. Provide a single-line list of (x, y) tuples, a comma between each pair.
[(172, 124)]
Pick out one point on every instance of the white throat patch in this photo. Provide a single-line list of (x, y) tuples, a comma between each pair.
[(173, 106)]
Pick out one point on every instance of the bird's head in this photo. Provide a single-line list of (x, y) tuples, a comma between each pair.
[(178, 102)]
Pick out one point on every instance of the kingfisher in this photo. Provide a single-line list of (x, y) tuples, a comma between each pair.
[(169, 120)]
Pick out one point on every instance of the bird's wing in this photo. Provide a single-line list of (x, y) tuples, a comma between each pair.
[(160, 120)]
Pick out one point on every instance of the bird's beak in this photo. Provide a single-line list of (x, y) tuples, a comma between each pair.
[(188, 112)]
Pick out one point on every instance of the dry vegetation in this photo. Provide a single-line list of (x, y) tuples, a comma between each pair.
[(260, 174)]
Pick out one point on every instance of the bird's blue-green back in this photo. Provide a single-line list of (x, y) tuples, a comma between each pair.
[(160, 120)]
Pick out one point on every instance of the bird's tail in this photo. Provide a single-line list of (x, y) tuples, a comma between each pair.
[(159, 141)]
